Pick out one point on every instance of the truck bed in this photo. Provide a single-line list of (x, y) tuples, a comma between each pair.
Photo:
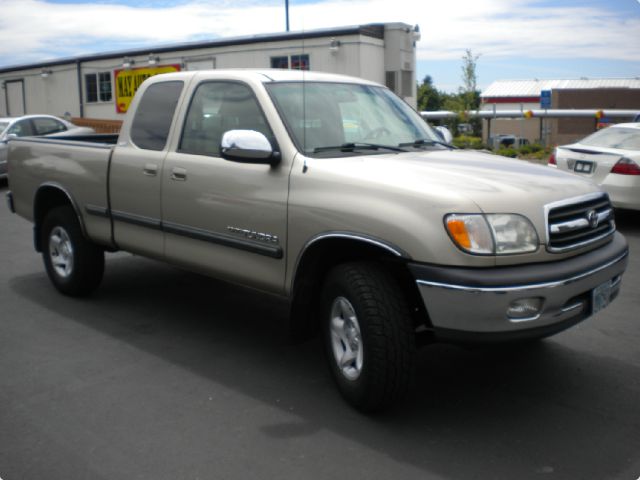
[(77, 165)]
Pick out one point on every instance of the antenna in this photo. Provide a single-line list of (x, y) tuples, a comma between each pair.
[(304, 97)]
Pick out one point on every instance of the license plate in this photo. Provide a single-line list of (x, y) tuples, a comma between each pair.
[(583, 167), (600, 297)]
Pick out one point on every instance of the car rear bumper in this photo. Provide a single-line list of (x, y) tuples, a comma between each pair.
[(471, 304), (623, 190)]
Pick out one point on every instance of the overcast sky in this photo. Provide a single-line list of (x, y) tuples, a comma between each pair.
[(517, 39)]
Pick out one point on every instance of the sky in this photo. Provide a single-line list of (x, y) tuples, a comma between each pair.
[(515, 39)]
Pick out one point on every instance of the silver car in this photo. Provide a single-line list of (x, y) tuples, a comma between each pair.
[(610, 158), (33, 126)]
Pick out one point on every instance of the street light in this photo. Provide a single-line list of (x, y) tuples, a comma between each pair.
[(286, 8)]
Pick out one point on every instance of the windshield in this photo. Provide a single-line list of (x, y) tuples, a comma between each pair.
[(615, 137), (348, 119), (3, 126)]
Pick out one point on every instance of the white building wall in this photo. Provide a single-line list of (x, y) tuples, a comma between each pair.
[(356, 55)]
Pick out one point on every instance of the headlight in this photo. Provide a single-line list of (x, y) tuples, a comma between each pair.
[(492, 234)]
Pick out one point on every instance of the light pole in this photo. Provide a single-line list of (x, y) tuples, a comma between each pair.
[(286, 9)]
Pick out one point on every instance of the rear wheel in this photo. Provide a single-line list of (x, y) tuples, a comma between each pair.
[(369, 335), (74, 264)]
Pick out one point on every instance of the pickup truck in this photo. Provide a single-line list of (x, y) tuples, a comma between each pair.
[(333, 194)]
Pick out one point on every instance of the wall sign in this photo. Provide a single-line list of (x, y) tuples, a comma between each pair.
[(128, 81)]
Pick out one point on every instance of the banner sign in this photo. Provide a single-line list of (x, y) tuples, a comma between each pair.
[(128, 81)]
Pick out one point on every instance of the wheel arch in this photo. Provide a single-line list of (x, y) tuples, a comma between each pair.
[(49, 196), (320, 254)]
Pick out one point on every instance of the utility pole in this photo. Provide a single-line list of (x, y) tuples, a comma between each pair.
[(286, 8)]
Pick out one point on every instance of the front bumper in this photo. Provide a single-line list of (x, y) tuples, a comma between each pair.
[(470, 304)]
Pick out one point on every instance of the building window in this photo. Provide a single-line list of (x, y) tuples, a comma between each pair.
[(98, 87), (280, 62), (300, 62)]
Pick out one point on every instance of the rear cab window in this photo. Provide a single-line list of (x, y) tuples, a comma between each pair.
[(154, 115)]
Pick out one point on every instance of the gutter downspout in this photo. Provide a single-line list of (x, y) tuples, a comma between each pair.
[(80, 94)]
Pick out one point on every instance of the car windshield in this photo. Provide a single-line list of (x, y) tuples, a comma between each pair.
[(3, 126), (615, 137), (329, 119)]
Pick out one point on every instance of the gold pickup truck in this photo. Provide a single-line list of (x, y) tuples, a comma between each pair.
[(333, 194)]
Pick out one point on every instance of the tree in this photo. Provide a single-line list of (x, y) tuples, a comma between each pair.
[(429, 98), (469, 93)]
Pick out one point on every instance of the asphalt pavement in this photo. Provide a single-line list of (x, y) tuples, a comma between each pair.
[(164, 374)]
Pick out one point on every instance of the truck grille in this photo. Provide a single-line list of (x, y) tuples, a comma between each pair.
[(579, 222)]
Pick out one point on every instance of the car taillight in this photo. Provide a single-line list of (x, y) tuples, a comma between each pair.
[(626, 166), (552, 158)]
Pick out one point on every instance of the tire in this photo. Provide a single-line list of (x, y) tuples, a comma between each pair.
[(369, 335), (74, 264)]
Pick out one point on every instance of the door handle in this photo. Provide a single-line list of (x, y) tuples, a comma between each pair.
[(178, 174), (150, 169)]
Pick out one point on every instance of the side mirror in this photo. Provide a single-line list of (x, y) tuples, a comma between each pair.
[(444, 133), (247, 146)]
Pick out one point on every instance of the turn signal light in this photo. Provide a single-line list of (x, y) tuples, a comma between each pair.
[(626, 166), (458, 231)]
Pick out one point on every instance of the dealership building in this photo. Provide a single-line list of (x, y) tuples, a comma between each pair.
[(561, 94), (101, 86)]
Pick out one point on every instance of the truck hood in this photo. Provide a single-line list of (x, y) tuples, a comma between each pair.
[(493, 183), (403, 198)]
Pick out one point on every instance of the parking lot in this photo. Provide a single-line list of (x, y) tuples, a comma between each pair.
[(164, 374)]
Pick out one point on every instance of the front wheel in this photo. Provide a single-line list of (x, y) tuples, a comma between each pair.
[(369, 335), (73, 263)]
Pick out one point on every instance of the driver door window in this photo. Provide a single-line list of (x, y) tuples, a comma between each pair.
[(216, 108)]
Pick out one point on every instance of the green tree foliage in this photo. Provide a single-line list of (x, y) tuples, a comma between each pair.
[(429, 97), (469, 92), (468, 96)]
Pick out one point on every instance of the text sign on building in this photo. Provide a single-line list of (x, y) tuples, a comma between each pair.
[(128, 81), (545, 99)]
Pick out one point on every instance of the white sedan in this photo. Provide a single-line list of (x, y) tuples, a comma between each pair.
[(610, 158), (34, 126)]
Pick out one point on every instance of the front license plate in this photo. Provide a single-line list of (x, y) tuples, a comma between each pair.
[(583, 167), (600, 296)]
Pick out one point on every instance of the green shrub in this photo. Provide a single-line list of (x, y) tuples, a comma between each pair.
[(525, 150), (535, 147), (466, 141), (507, 152)]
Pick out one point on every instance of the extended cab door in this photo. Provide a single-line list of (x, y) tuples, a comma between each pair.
[(136, 171), (221, 217)]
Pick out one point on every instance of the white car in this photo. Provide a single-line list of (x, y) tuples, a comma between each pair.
[(610, 158), (34, 126)]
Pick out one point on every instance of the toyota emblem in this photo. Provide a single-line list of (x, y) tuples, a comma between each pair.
[(592, 218)]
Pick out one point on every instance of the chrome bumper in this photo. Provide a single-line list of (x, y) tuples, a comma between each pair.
[(471, 304)]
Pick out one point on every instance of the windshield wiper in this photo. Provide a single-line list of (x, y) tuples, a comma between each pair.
[(427, 143), (350, 147)]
